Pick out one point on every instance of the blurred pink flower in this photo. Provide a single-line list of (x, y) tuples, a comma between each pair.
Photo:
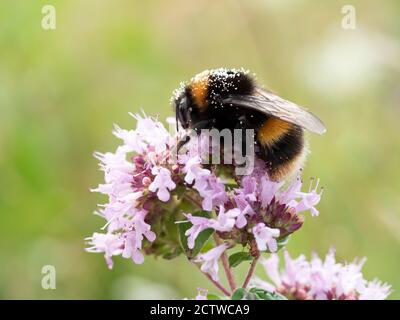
[(321, 279)]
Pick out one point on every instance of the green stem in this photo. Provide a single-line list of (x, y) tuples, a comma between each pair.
[(194, 201)]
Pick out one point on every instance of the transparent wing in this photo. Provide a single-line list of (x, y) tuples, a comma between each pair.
[(269, 103)]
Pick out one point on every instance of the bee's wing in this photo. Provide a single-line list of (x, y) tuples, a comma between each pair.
[(271, 104)]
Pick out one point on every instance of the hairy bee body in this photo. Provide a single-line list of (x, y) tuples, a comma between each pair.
[(230, 99)]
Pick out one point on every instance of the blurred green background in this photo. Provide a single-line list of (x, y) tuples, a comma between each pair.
[(61, 91)]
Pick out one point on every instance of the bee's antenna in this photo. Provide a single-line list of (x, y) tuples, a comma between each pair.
[(316, 186), (311, 184)]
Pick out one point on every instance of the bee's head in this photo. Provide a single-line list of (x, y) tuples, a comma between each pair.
[(183, 110)]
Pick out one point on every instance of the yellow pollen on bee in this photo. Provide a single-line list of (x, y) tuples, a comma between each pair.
[(272, 130)]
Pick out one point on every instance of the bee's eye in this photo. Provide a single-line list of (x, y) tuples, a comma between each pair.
[(183, 111), (183, 104)]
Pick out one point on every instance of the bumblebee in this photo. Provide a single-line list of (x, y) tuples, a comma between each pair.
[(231, 99)]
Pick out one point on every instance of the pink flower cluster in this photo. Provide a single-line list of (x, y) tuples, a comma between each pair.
[(138, 173), (148, 184), (143, 175), (320, 279)]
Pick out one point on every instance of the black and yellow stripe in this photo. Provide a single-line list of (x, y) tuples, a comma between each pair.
[(272, 130), (282, 145), (201, 106)]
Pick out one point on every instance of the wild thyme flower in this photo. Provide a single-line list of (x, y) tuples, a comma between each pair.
[(136, 175), (210, 259), (224, 222), (266, 210), (162, 183), (319, 279), (165, 204), (146, 182), (265, 237), (108, 243)]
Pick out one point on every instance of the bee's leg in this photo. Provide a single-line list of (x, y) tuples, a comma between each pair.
[(182, 142), (204, 124)]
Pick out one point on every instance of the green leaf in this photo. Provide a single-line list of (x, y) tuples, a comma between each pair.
[(238, 257), (207, 246), (212, 296), (256, 294), (231, 185), (201, 239), (263, 294), (243, 294), (283, 242), (239, 294), (173, 254), (180, 191)]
